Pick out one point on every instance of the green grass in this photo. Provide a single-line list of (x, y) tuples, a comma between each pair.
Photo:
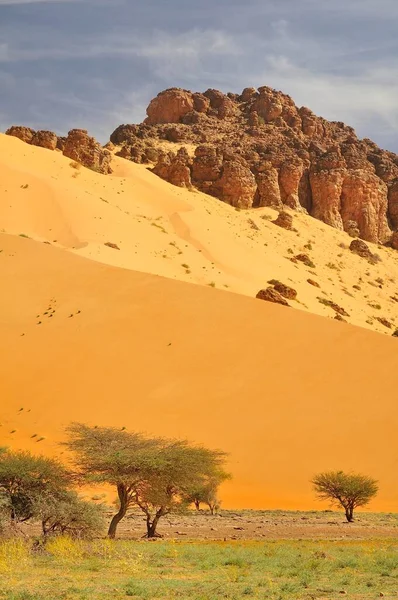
[(280, 570)]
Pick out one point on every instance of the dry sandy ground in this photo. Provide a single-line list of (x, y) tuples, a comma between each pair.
[(188, 236), (260, 525), (256, 525), (285, 392)]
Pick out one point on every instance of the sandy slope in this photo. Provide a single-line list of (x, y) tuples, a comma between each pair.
[(287, 393), (189, 236)]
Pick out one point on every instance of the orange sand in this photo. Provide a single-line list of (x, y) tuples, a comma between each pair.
[(287, 393)]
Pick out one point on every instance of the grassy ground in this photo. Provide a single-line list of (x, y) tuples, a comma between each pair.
[(272, 570)]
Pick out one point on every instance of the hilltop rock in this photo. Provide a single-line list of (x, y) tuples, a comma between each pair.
[(45, 139), (23, 133), (82, 148), (298, 160), (169, 107), (61, 141)]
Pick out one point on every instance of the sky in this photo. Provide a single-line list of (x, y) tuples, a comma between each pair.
[(97, 63)]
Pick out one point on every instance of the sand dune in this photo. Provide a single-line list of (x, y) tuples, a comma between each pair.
[(168, 231), (285, 392)]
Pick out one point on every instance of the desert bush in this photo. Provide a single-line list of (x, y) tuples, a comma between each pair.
[(67, 514)]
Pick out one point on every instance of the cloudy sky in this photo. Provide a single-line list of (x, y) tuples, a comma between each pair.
[(97, 63)]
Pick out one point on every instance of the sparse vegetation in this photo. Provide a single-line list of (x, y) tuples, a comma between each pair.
[(274, 570), (162, 229), (338, 309)]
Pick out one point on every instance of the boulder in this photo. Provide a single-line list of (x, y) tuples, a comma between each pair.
[(284, 220), (169, 106), (271, 295), (361, 248)]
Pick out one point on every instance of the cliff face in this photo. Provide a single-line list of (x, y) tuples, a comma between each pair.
[(259, 149)]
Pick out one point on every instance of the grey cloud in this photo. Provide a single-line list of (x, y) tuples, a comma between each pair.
[(339, 58)]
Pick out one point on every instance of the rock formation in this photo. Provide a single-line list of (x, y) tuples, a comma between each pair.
[(78, 146), (271, 295), (251, 150), (259, 149), (82, 148), (45, 139), (23, 133)]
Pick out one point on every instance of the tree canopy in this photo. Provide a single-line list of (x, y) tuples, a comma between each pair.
[(24, 478), (348, 490), (154, 474)]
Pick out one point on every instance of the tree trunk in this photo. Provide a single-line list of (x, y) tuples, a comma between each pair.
[(123, 498), (151, 526), (349, 513), (197, 504)]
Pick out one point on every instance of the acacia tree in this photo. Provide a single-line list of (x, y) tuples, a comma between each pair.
[(207, 493), (24, 479), (179, 468), (348, 490), (115, 457), (152, 473)]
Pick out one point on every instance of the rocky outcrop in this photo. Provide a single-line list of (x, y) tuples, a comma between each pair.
[(394, 240), (298, 160), (393, 204), (237, 185), (271, 295), (285, 291), (82, 148), (45, 139), (284, 220), (175, 169), (268, 192), (23, 133), (78, 146), (61, 141)]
